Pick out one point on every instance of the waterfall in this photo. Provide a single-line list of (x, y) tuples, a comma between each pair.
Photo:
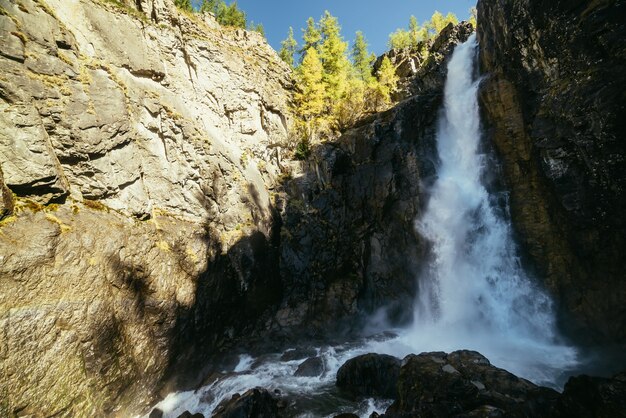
[(474, 292)]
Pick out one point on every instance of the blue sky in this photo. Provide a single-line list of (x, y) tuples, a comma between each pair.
[(376, 18)]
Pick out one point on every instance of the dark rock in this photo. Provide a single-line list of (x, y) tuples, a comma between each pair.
[(464, 383), (311, 367), (188, 414), (346, 415), (156, 413), (6, 199), (370, 375), (348, 246), (298, 354), (554, 106), (255, 403), (591, 397)]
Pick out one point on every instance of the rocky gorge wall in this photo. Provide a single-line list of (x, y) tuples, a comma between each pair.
[(554, 105), (150, 217), (138, 147)]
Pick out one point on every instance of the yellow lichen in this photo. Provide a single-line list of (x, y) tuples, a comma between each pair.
[(64, 228), (163, 246)]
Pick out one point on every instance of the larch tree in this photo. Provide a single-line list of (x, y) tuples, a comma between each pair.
[(362, 59), (288, 49), (310, 94), (387, 83), (311, 35), (333, 54), (184, 5)]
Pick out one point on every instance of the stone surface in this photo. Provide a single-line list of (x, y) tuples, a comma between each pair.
[(464, 383), (255, 403), (141, 145), (311, 367), (554, 106), (370, 375), (157, 222), (586, 396)]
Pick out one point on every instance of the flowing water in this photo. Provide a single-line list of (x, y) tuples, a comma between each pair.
[(474, 293)]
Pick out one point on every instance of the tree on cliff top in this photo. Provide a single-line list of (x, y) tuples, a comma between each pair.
[(288, 49), (310, 94), (362, 59), (333, 53), (184, 5)]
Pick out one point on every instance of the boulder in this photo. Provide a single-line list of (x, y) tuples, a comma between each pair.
[(465, 383), (188, 414), (370, 375), (298, 354), (311, 367), (592, 397), (255, 403)]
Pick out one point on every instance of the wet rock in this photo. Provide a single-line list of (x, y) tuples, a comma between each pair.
[(298, 354), (311, 367), (346, 415), (465, 383), (554, 112), (156, 413), (592, 397), (370, 375), (188, 414), (255, 403)]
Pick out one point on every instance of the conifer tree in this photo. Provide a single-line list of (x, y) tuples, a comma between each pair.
[(333, 53), (473, 17), (288, 49), (309, 97), (387, 83), (311, 36), (209, 6), (183, 5), (362, 59)]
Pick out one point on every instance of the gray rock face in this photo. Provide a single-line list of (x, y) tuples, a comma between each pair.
[(554, 106), (156, 222), (140, 144)]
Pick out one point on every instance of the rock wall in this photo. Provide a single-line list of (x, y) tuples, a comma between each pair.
[(138, 145), (149, 219), (554, 105)]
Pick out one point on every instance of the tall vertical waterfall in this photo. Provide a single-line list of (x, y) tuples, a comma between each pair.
[(474, 292)]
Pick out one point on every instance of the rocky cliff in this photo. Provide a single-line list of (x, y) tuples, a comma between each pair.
[(554, 105), (149, 218), (138, 146)]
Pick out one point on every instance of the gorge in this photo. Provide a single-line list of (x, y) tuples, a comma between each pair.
[(156, 237)]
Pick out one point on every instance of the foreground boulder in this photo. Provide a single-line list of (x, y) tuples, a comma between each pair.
[(464, 382), (370, 375)]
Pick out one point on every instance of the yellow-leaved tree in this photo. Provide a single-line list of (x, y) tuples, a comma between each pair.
[(309, 99)]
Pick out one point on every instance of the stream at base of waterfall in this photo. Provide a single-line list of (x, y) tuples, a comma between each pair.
[(473, 294)]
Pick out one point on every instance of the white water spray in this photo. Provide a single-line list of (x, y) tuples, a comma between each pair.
[(473, 295)]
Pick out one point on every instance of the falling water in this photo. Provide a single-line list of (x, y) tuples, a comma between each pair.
[(473, 295)]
